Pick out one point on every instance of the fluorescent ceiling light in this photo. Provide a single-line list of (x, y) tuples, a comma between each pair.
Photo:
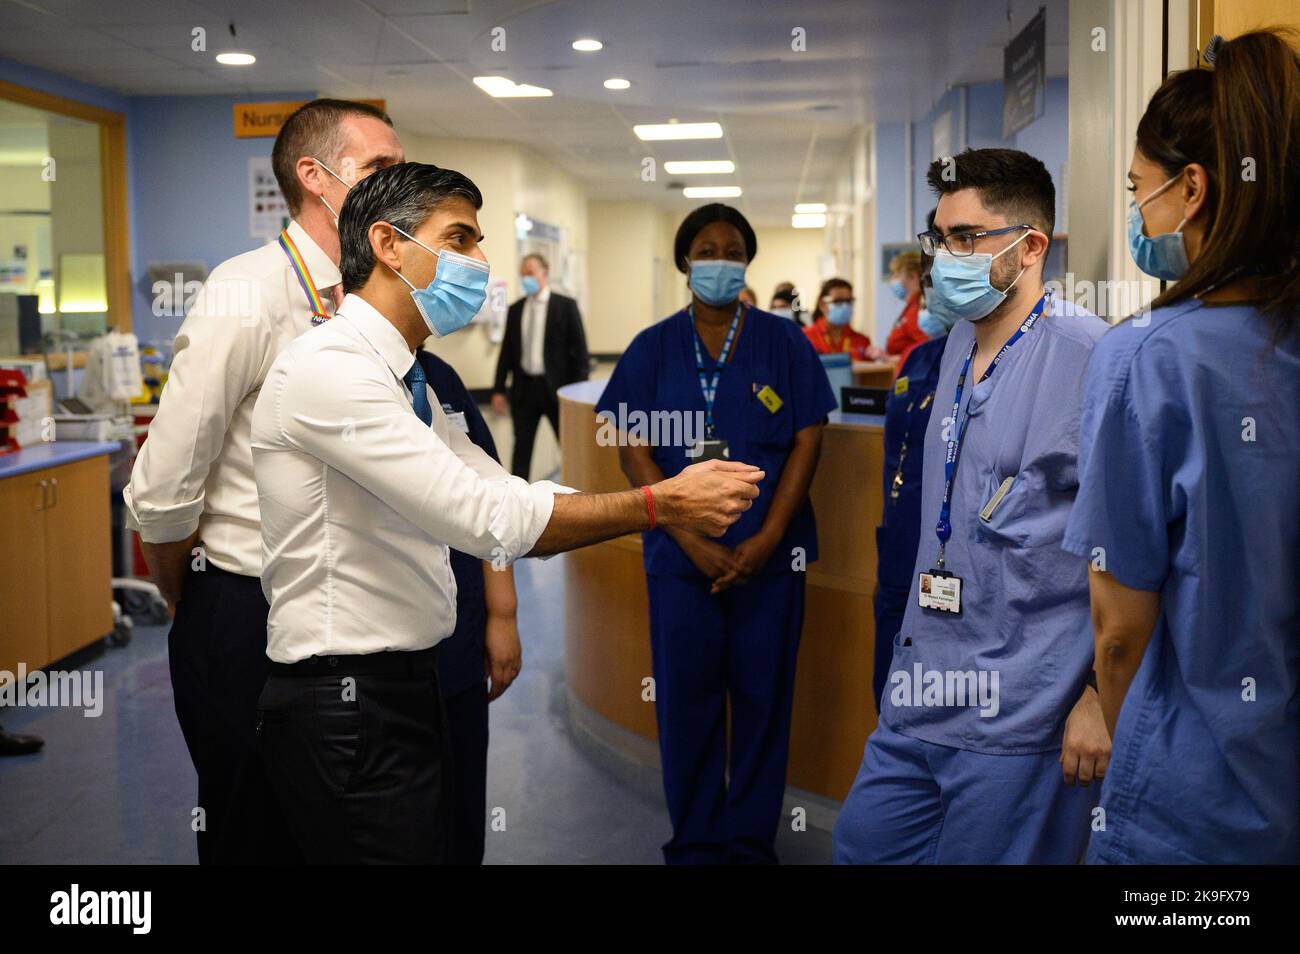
[(502, 87), (711, 192), (808, 220), (616, 83), (699, 167), (805, 208), (236, 59), (587, 45), (655, 132)]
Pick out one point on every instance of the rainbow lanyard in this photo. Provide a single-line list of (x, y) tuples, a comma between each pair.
[(318, 313)]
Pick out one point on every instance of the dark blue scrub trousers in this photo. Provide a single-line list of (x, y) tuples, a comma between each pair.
[(740, 646)]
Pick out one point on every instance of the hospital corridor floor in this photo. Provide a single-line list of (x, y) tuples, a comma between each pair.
[(120, 788)]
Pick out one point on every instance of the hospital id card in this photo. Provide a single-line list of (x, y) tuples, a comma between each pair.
[(703, 450), (941, 591)]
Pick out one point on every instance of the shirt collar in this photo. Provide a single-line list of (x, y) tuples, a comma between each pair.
[(324, 273), (381, 333)]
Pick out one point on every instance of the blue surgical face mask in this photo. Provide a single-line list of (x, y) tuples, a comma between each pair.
[(1160, 256), (455, 295), (531, 285), (961, 284), (932, 324), (840, 313), (717, 281), (898, 288)]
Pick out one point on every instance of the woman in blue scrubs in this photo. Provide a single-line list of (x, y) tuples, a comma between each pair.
[(725, 614), (1189, 499)]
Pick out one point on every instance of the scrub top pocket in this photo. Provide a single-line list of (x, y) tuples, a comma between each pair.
[(1002, 521), (765, 429)]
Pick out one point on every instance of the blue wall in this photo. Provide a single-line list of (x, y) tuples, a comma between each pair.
[(1047, 138), (195, 207)]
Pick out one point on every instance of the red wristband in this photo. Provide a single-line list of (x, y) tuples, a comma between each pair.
[(649, 504)]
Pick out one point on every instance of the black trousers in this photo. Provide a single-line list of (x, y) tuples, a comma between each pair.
[(531, 398), (467, 720), (217, 654), (355, 752)]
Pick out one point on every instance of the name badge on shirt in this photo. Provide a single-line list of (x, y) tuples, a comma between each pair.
[(771, 400), (703, 450), (900, 386), (940, 590)]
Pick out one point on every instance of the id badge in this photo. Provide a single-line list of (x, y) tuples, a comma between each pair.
[(940, 590), (704, 450), (458, 420)]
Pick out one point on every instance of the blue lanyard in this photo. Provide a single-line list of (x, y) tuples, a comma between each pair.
[(707, 387), (943, 529)]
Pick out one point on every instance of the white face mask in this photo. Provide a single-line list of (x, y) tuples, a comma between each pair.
[(347, 185)]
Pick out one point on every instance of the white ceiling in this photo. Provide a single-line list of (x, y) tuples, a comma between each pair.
[(787, 116)]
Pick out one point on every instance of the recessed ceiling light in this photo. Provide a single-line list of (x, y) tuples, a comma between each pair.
[(616, 83), (654, 132), (502, 87), (699, 167), (587, 45), (236, 59), (711, 192), (810, 207), (808, 220)]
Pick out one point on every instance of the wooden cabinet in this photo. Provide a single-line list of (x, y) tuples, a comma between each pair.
[(55, 562)]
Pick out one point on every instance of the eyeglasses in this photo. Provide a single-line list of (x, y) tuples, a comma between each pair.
[(960, 244)]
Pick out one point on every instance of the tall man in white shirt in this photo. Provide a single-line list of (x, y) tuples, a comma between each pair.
[(192, 496), (364, 485), (544, 348)]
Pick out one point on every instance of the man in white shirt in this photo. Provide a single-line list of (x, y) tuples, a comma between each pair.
[(364, 486), (544, 348), (192, 496)]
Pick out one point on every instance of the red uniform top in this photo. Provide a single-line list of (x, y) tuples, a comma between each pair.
[(907, 334), (837, 339)]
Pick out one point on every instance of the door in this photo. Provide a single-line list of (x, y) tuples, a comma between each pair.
[(78, 553), (23, 621)]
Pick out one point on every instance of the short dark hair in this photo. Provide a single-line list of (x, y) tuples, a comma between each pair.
[(313, 130), (402, 195), (706, 215), (1010, 182), (539, 258)]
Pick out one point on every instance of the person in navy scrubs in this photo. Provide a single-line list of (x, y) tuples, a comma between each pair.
[(1188, 510), (726, 613), (907, 414), (482, 657)]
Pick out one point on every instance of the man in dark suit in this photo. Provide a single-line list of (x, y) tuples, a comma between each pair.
[(544, 349)]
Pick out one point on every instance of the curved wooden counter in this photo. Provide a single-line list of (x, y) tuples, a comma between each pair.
[(607, 641)]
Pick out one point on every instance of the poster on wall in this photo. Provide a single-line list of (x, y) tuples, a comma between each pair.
[(1024, 76), (268, 213)]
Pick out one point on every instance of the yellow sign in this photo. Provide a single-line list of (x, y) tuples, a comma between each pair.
[(770, 399), (265, 119)]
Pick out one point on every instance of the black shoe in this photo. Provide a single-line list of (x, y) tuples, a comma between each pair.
[(13, 744)]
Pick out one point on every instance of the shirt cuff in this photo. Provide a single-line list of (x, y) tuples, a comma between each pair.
[(541, 496), (163, 524)]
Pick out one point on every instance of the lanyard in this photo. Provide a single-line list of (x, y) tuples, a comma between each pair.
[(318, 313), (943, 529), (710, 388)]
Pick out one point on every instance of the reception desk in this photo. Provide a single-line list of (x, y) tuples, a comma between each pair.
[(607, 642)]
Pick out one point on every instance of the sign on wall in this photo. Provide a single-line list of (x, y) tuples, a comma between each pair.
[(1024, 76), (267, 210), (265, 119)]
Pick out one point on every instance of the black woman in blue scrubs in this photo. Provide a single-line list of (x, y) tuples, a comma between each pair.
[(727, 380)]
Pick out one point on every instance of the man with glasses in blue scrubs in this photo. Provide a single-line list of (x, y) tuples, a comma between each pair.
[(988, 720)]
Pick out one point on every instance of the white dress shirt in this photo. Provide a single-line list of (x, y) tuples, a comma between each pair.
[(361, 500), (532, 356), (196, 468)]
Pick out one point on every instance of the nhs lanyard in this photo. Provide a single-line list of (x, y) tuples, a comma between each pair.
[(707, 387), (943, 529)]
